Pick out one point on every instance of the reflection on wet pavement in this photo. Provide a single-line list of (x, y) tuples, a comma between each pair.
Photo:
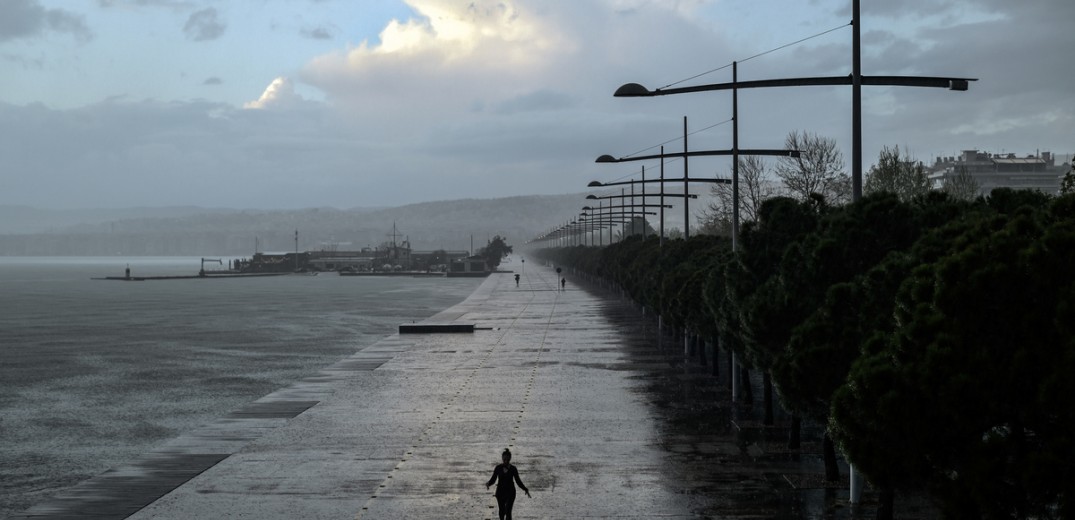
[(605, 417)]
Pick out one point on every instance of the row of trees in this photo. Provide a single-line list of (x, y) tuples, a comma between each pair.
[(819, 170), (933, 336)]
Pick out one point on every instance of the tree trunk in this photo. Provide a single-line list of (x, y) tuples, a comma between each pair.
[(714, 354), (767, 397), (887, 499), (795, 434), (700, 345), (832, 471), (731, 366), (744, 384)]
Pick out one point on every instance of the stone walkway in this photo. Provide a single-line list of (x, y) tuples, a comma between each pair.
[(604, 418)]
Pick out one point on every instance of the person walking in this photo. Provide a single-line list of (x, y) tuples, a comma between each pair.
[(563, 284), (506, 476)]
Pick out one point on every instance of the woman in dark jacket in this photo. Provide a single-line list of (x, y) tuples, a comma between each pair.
[(506, 476)]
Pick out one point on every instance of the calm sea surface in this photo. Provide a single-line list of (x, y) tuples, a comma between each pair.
[(94, 373)]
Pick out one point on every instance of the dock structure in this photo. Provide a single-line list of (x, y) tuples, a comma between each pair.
[(203, 276), (606, 419)]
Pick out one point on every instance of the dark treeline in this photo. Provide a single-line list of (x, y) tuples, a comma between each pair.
[(933, 338)]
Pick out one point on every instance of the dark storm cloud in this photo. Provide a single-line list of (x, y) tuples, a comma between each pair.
[(1016, 49), (27, 19), (317, 33), (204, 25), (177, 5), (540, 100), (212, 81), (526, 106), (116, 152)]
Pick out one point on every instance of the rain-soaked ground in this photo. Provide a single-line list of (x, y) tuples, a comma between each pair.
[(604, 416), (730, 464)]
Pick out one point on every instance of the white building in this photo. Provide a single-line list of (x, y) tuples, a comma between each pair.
[(992, 171)]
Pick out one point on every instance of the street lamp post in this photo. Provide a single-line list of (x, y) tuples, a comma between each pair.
[(644, 203), (661, 204), (735, 152), (856, 80)]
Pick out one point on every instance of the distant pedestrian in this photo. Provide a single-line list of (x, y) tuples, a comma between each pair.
[(563, 284), (516, 280), (506, 476)]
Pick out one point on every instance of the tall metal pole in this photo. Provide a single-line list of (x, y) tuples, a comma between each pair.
[(735, 158), (661, 242), (623, 195), (686, 200), (600, 231), (633, 207), (643, 201), (855, 477), (734, 368), (856, 102)]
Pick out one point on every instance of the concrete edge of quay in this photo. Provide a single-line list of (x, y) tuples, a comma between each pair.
[(124, 490)]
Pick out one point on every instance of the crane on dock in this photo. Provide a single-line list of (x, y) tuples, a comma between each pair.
[(201, 272)]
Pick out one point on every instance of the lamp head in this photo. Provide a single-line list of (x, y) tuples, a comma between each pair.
[(632, 90), (594, 184), (958, 85), (606, 159)]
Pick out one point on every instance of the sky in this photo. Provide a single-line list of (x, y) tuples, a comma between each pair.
[(278, 104)]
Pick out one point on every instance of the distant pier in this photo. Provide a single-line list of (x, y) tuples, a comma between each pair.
[(187, 277)]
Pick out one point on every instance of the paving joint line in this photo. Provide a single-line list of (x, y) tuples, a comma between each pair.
[(455, 398)]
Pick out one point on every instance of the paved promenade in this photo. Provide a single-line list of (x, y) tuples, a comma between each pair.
[(603, 421)]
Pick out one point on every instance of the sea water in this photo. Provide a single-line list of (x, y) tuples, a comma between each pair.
[(95, 372)]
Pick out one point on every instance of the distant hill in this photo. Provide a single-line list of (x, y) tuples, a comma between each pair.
[(201, 231), (26, 219)]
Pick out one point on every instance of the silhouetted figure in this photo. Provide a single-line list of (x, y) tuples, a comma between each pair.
[(506, 476), (127, 272), (563, 284), (516, 280)]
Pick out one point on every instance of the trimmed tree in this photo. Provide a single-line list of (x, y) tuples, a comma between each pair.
[(494, 252), (964, 395)]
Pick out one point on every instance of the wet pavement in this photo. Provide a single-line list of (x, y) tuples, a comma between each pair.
[(605, 417)]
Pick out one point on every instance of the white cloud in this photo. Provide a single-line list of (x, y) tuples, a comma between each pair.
[(477, 47), (279, 94)]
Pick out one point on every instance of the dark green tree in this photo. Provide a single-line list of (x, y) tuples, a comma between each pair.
[(495, 251), (964, 394), (876, 230), (781, 222), (1067, 182)]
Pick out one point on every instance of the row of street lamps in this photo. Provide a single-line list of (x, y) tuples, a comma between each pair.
[(856, 80)]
